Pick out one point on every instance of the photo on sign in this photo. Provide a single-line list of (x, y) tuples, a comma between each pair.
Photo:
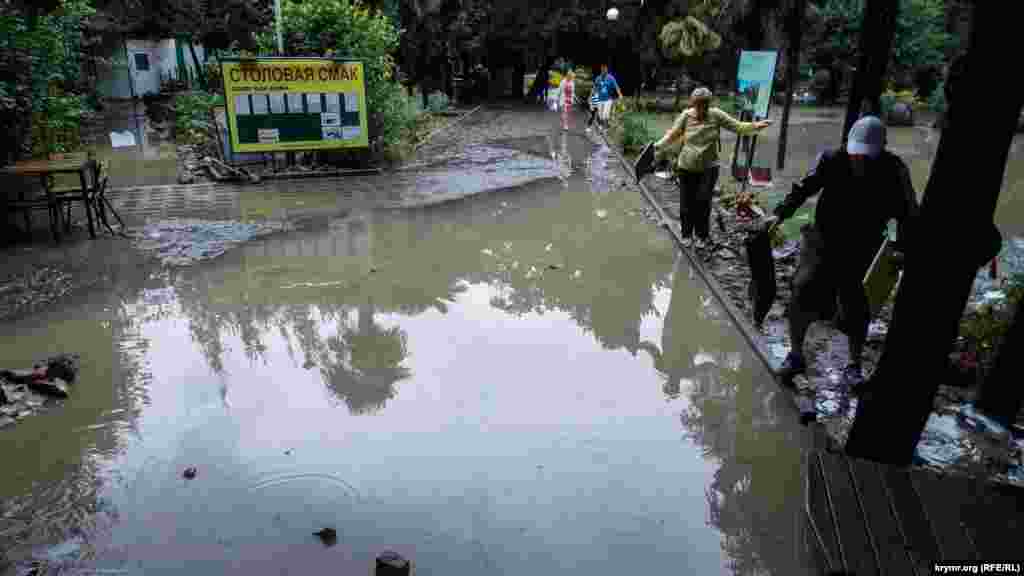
[(268, 135), (330, 119), (313, 104), (277, 102), (260, 104), (333, 103), (242, 104), (294, 103), (350, 132), (331, 132), (351, 102)]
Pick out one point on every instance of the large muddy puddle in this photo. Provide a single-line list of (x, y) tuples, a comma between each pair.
[(527, 381)]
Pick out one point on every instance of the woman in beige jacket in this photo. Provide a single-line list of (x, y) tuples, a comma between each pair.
[(697, 165)]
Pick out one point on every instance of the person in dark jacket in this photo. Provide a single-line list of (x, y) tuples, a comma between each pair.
[(862, 187)]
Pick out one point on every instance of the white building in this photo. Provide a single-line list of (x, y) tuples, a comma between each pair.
[(136, 67)]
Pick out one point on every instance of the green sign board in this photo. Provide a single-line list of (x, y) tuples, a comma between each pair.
[(755, 77)]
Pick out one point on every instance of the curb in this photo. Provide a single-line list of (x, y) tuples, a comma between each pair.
[(445, 127), (750, 334)]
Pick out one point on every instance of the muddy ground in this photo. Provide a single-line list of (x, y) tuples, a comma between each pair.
[(956, 437)]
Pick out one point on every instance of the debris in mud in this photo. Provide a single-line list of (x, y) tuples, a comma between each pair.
[(55, 387), (392, 564), (947, 443), (182, 242), (602, 214), (329, 536), (25, 392), (190, 473), (36, 288)]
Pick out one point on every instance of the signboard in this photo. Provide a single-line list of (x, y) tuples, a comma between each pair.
[(281, 104), (755, 77)]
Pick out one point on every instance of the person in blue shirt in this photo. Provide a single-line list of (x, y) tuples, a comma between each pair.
[(607, 87)]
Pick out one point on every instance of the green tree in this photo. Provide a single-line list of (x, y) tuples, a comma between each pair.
[(42, 86), (350, 30), (921, 40)]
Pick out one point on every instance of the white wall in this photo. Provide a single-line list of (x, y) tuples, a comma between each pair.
[(119, 79)]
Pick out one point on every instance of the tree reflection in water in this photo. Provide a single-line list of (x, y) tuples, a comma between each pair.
[(736, 414), (364, 363)]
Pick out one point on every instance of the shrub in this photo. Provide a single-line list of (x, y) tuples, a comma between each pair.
[(193, 117), (937, 100), (636, 132), (353, 30), (437, 102)]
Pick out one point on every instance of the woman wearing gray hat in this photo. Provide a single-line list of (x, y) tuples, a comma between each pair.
[(697, 165)]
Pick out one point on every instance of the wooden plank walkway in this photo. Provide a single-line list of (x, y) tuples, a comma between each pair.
[(866, 518)]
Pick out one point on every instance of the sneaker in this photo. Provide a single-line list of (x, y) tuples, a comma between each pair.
[(588, 130), (700, 244), (853, 376), (792, 366), (687, 241)]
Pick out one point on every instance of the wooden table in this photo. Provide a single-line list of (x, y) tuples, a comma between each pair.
[(70, 164)]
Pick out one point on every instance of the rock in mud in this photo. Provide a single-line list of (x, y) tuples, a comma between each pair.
[(63, 366), (329, 536), (392, 564), (55, 387)]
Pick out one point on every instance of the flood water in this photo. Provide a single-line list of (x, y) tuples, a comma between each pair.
[(524, 381), (813, 130)]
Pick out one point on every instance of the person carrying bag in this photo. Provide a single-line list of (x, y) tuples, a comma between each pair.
[(699, 126)]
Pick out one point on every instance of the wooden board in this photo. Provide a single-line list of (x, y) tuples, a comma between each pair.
[(820, 515), (911, 517), (950, 503), (879, 518), (857, 546), (881, 278)]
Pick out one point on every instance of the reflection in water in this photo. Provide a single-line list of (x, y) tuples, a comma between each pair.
[(365, 363), (497, 415)]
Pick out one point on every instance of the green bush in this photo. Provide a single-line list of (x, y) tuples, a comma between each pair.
[(193, 116), (937, 100), (46, 88), (353, 31), (636, 132), (437, 102)]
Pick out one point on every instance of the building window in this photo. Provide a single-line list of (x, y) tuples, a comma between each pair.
[(142, 62)]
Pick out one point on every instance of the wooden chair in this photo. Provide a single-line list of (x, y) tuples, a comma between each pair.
[(68, 196), (102, 204), (30, 197)]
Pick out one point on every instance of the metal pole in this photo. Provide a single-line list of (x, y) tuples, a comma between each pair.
[(277, 27)]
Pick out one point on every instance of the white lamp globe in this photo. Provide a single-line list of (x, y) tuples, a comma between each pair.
[(613, 14)]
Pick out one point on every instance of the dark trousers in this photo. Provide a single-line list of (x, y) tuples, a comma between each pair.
[(593, 116), (695, 190)]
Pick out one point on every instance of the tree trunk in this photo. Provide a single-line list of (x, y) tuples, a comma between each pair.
[(1000, 394), (794, 29), (875, 45), (200, 73), (941, 265)]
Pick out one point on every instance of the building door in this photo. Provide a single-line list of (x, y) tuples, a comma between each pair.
[(145, 75)]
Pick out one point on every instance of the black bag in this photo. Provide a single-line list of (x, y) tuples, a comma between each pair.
[(762, 289), (644, 164)]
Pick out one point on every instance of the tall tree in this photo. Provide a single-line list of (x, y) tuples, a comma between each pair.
[(794, 33), (876, 36), (940, 265)]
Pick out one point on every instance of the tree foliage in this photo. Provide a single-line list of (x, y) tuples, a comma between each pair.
[(921, 40), (688, 38), (347, 29), (41, 80)]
